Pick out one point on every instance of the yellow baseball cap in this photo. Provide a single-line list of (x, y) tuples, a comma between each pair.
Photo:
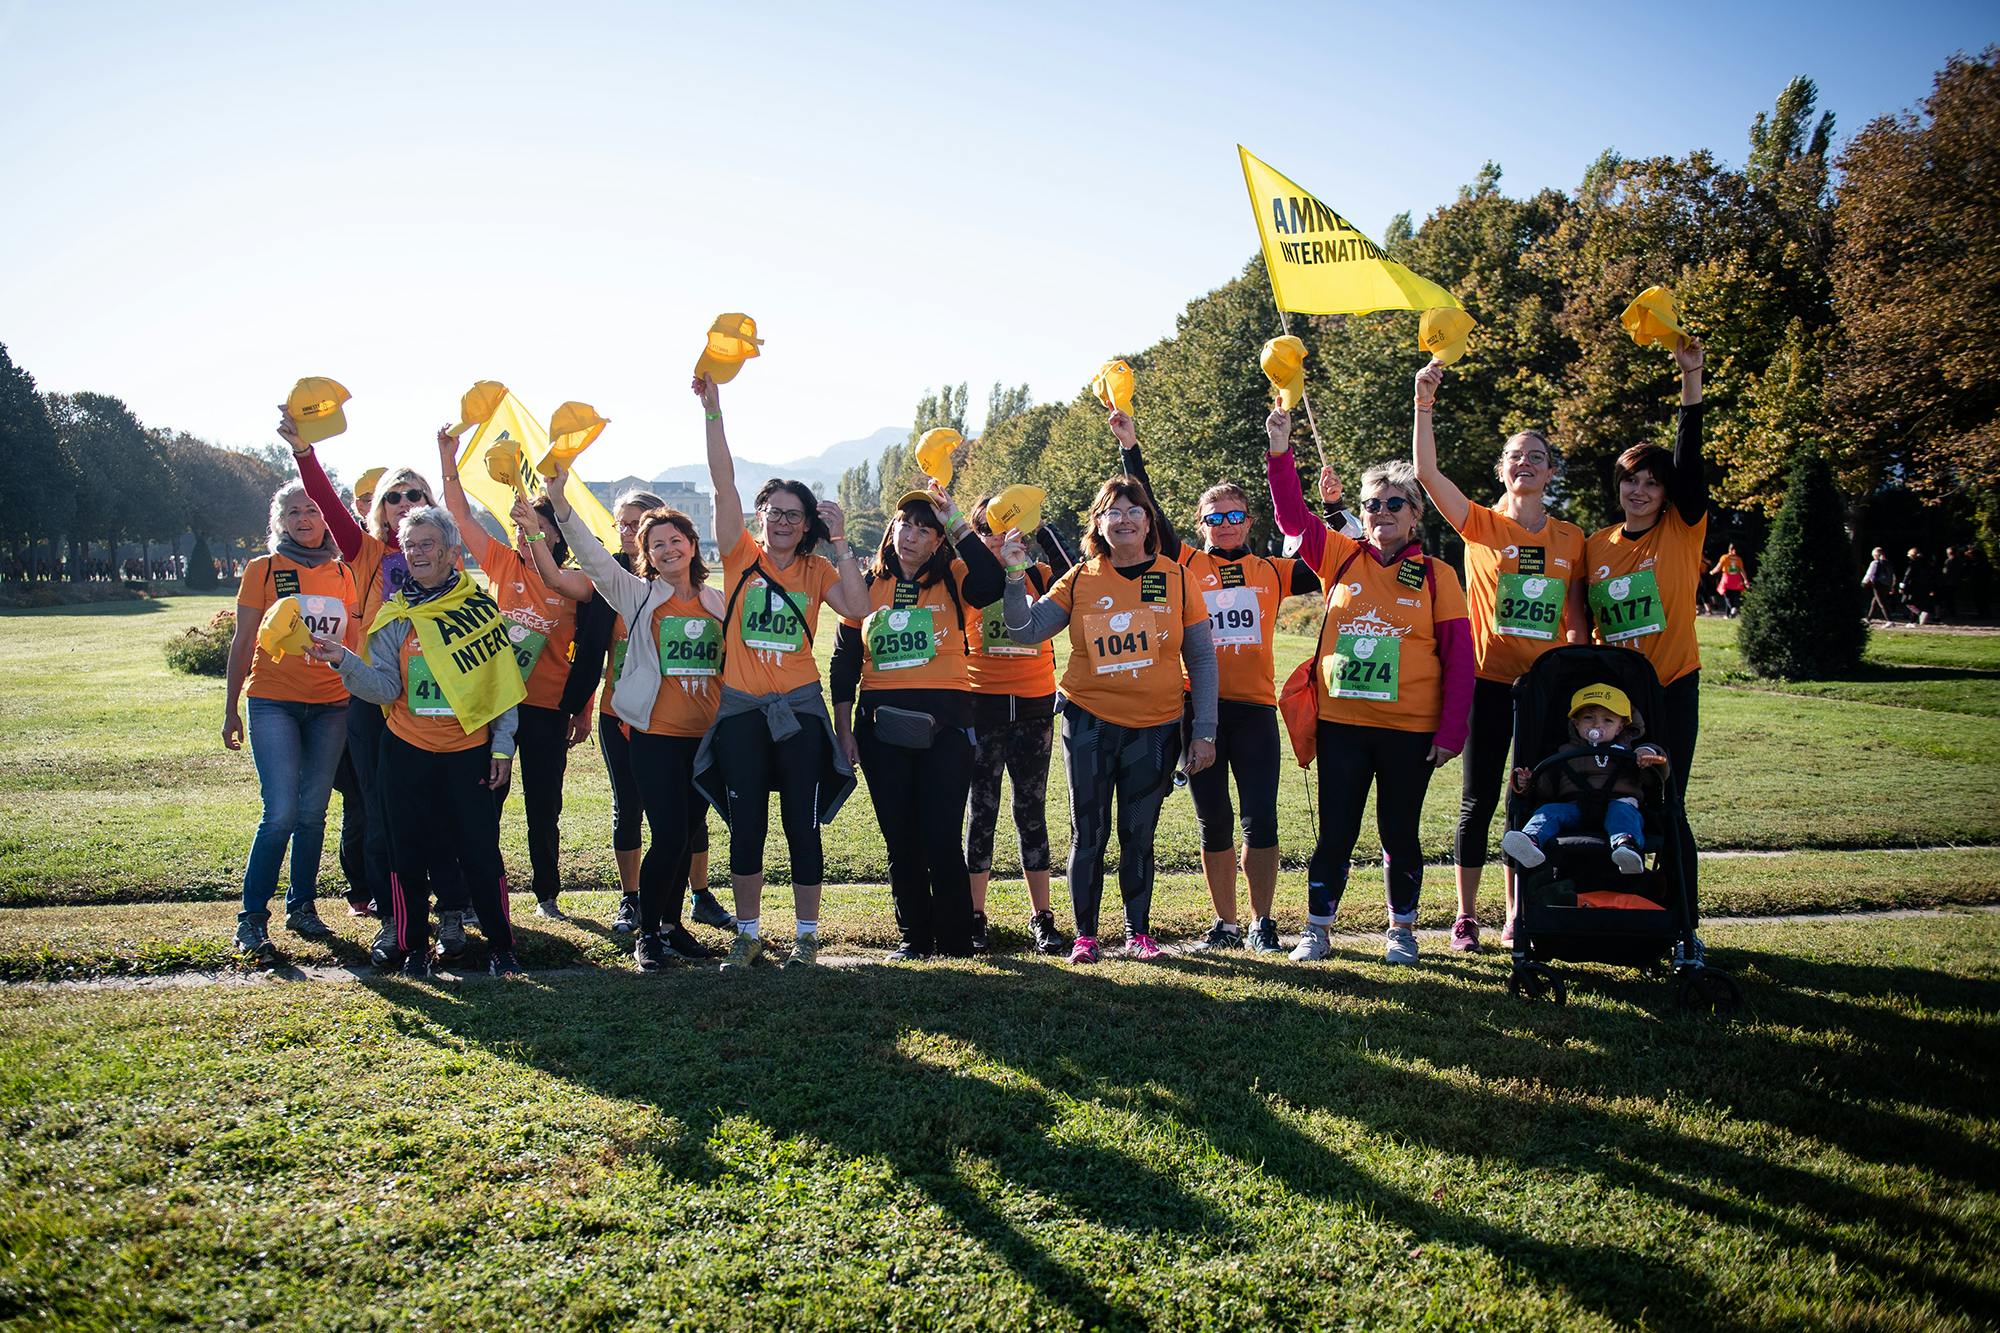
[(1442, 333), (1113, 386), (1019, 506), (314, 407), (479, 404), (503, 462), (283, 630), (571, 430), (732, 340), (934, 453), (1284, 363), (911, 497), (1604, 696), (1652, 318), (365, 483)]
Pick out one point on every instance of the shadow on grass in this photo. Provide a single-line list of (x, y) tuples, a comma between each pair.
[(1035, 1075)]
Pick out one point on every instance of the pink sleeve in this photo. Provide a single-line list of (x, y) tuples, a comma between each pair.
[(339, 520), (1454, 647), (1288, 503)]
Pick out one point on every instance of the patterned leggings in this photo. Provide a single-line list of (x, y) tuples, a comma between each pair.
[(1022, 746)]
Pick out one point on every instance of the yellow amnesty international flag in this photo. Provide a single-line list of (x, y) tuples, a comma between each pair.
[(512, 422), (1319, 263)]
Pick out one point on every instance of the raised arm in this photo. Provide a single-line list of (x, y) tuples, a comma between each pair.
[(1027, 620), (721, 470), (470, 535), (1450, 501), (985, 581), (1690, 488), (1288, 498), (571, 583), (1134, 464), (340, 520), (1059, 559), (619, 586)]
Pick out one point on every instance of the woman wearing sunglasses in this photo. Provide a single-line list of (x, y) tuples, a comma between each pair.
[(1240, 592), (375, 555), (911, 661), (772, 731), (1524, 583), (1393, 680), (1135, 621)]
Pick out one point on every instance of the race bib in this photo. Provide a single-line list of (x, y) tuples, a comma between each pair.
[(769, 623), (1627, 607), (1235, 617), (395, 573), (899, 637), (1121, 640), (618, 659), (689, 645), (426, 699), (1530, 606), (1364, 666), (527, 645), (324, 616), (993, 640)]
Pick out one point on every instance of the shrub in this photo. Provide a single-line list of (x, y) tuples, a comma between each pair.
[(1302, 615), (201, 566), (204, 649), (1801, 618)]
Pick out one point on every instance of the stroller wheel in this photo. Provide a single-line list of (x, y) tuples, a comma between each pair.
[(1537, 981), (1705, 990)]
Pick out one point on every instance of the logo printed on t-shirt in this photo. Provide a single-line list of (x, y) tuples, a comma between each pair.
[(1532, 560)]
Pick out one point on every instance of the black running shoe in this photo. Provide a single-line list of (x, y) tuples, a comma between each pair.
[(979, 944), (1048, 940), (500, 963), (417, 965), (651, 953), (383, 951), (906, 952), (709, 912), (682, 941), (627, 920)]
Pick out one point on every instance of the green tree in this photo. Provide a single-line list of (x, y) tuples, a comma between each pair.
[(123, 483), (1004, 403), (37, 476), (861, 500), (1800, 619)]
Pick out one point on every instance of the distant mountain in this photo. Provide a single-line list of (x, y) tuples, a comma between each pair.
[(821, 471), (840, 457)]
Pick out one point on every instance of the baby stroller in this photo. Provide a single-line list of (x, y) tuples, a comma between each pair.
[(1576, 906)]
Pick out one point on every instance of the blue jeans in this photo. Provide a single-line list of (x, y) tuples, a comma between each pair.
[(1551, 821), (297, 747)]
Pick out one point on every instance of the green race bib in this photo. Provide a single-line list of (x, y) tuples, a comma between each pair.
[(1627, 607), (899, 637), (618, 659), (527, 645), (768, 623), (690, 645), (1364, 666), (1530, 606), (993, 640), (426, 699)]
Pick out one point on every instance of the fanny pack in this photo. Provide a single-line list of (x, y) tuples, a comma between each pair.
[(904, 727)]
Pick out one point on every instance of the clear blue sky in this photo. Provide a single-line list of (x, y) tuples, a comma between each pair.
[(205, 202)]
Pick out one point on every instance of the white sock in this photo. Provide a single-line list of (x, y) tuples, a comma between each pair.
[(808, 928), (747, 925)]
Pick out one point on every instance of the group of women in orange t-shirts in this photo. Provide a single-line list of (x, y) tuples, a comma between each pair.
[(944, 680)]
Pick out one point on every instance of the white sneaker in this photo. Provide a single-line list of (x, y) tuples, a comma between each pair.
[(1517, 844), (1625, 854), (1313, 945), (1400, 946)]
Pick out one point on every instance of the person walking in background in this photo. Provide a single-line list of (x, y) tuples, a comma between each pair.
[(1919, 587), (1729, 580), (1880, 583)]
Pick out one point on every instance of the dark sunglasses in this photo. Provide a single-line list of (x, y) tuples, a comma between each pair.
[(1394, 504), (1222, 516), (397, 497)]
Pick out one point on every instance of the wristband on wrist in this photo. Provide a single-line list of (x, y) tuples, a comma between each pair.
[(536, 536), (1021, 568), (715, 416), (507, 757)]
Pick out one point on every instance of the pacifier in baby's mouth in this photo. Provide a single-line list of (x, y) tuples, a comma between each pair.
[(1597, 735)]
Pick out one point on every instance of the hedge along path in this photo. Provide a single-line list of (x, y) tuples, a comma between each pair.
[(102, 800)]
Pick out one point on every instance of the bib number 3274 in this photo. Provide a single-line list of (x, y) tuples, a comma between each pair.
[(1364, 666), (1627, 607)]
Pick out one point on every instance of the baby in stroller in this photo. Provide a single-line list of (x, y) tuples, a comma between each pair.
[(1605, 764)]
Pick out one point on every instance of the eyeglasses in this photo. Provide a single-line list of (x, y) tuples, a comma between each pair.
[(1224, 516), (397, 497), (1115, 514), (623, 526), (1394, 504), (1537, 459), (782, 515), (431, 547)]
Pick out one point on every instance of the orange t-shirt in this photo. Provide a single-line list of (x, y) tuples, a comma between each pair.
[(330, 604), (1000, 666), (541, 622), (420, 714), (915, 638), (768, 651), (1517, 583), (1125, 639), (1642, 593), (687, 636), (1241, 598), (1378, 650)]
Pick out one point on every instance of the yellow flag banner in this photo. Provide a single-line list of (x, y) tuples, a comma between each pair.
[(512, 422), (1319, 263)]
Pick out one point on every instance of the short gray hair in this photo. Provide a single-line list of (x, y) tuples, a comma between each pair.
[(432, 516), (281, 500), (1399, 473), (644, 499)]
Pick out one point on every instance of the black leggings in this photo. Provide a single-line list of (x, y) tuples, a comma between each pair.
[(441, 815), (1022, 746), (663, 771), (1482, 769), (1136, 764), (367, 730), (1246, 745), (1398, 764), (919, 798), (1678, 732), (541, 756), (627, 809), (353, 824), (753, 766)]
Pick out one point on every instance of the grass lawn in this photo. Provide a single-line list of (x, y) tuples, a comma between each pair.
[(1020, 1144), (114, 786)]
